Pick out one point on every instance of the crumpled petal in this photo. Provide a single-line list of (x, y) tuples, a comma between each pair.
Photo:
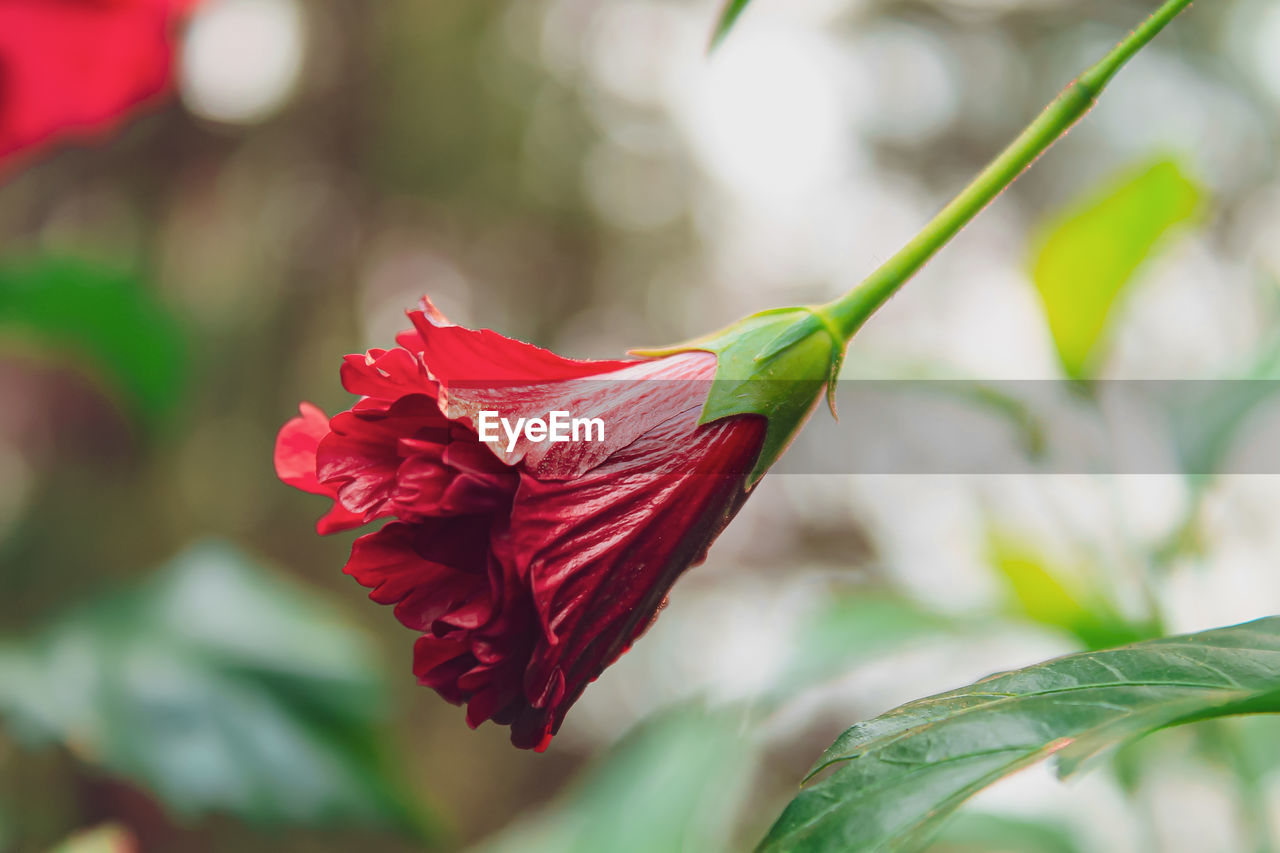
[(384, 376), (409, 461)]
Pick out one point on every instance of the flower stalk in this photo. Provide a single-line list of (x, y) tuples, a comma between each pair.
[(849, 312)]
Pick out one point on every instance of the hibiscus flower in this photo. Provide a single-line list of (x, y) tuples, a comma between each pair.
[(526, 565), (75, 68)]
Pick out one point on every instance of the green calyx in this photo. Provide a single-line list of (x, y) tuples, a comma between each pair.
[(775, 363)]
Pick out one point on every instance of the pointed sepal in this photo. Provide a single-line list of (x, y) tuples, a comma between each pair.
[(775, 363)]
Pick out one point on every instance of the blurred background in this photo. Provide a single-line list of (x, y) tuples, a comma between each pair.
[(182, 661)]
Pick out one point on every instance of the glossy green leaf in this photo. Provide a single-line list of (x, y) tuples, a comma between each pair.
[(216, 688), (895, 778), (1085, 257), (106, 323), (728, 17)]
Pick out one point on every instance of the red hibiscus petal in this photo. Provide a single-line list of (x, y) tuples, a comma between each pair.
[(399, 460), (338, 519), (426, 570), (484, 371), (601, 552), (74, 69), (455, 354), (383, 376), (295, 461), (479, 369), (296, 444), (438, 662), (630, 403), (359, 458)]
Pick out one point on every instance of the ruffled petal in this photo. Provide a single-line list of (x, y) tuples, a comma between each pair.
[(361, 455), (429, 571), (384, 376), (407, 460), (483, 665)]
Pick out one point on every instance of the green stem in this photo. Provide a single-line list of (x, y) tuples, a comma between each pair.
[(849, 312)]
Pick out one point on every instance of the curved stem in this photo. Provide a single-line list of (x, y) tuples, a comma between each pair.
[(849, 312)]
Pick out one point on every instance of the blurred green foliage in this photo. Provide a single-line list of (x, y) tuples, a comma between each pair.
[(218, 689), (851, 628), (675, 783), (1085, 257), (1059, 597), (106, 323), (1207, 422)]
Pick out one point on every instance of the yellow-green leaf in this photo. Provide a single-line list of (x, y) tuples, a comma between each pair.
[(1058, 596), (1086, 256)]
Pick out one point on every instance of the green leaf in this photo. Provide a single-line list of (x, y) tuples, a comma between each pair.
[(898, 776), (728, 17), (1085, 257), (108, 323), (218, 689), (1056, 596), (674, 783)]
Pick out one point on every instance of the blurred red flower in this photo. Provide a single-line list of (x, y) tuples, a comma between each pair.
[(75, 68), (526, 567)]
